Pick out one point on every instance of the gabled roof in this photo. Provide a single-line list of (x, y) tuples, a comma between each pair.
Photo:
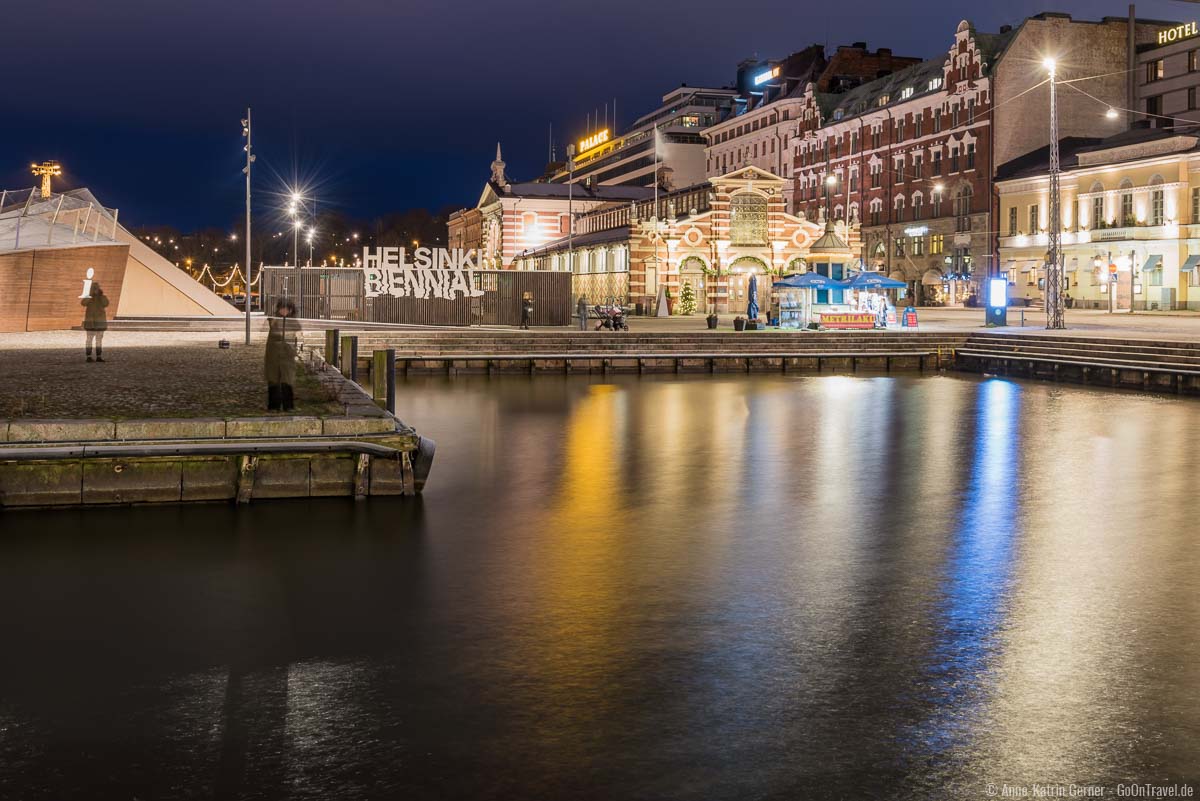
[(580, 191), (747, 173), (621, 232), (1037, 162)]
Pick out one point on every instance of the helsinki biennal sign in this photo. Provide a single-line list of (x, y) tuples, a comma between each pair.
[(431, 273)]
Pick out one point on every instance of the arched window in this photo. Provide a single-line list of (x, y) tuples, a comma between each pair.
[(1126, 217), (1157, 216), (898, 205), (748, 219)]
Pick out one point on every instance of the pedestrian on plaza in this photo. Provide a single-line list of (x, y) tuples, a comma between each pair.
[(95, 321), (526, 309), (282, 339), (582, 308)]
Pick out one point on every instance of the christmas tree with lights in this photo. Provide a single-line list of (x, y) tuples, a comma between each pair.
[(687, 299)]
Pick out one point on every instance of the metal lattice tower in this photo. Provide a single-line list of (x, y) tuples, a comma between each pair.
[(46, 170), (1054, 265)]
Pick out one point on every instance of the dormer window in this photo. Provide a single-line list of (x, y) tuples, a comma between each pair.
[(837, 113), (884, 99), (906, 93), (936, 83)]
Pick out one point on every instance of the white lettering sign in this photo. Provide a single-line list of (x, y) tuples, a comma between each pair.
[(431, 273)]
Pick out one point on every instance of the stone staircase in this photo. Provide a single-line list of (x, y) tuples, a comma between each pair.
[(1161, 366)]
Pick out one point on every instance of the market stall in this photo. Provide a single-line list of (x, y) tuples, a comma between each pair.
[(796, 295)]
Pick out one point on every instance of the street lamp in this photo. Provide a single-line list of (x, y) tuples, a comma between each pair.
[(1054, 299), (246, 170), (570, 209)]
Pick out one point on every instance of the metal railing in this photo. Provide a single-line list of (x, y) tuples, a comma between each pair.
[(28, 220)]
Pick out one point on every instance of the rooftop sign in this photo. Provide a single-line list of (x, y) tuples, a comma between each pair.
[(765, 76), (595, 140), (1185, 31)]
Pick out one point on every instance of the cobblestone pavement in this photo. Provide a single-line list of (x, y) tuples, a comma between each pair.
[(144, 374)]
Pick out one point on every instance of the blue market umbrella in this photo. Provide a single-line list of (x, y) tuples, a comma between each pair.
[(868, 280), (752, 306), (809, 280)]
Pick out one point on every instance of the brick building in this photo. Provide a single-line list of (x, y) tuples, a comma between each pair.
[(510, 218), (713, 237), (913, 153), (757, 129)]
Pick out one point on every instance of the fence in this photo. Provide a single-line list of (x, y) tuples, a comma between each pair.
[(336, 293)]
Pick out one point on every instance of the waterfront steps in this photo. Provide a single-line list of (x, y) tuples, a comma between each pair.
[(1159, 366), (466, 351)]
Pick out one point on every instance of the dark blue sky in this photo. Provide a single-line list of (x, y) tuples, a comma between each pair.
[(380, 106)]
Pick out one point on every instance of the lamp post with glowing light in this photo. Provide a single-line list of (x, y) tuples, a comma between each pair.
[(1054, 299), (246, 170)]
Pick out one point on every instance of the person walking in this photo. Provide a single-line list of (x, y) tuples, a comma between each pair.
[(282, 337), (582, 309), (526, 309), (95, 321)]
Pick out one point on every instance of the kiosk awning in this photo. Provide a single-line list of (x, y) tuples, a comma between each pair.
[(1190, 264), (1152, 263)]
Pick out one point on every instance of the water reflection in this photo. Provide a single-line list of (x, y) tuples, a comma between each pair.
[(709, 588)]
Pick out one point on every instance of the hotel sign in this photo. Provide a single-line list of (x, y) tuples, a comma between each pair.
[(595, 140), (432, 273), (1185, 31)]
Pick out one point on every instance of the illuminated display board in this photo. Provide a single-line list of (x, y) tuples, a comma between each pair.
[(765, 76), (593, 141)]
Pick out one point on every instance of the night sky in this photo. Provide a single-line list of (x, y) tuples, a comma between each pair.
[(377, 106)]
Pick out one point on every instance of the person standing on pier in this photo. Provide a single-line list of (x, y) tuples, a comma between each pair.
[(95, 320), (526, 309), (282, 338)]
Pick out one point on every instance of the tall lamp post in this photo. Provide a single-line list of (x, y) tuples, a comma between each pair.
[(246, 170), (570, 208), (1054, 299)]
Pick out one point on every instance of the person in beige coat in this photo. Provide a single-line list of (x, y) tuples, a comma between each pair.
[(280, 364)]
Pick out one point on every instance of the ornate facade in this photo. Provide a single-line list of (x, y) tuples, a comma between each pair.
[(712, 237)]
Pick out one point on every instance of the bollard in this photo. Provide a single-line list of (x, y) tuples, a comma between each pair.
[(379, 371), (390, 368), (349, 357), (331, 347)]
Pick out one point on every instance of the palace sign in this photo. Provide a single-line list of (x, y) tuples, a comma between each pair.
[(595, 140), (432, 273), (1168, 35)]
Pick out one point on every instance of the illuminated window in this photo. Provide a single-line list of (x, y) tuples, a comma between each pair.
[(1012, 220), (936, 244), (1098, 212), (1156, 207), (884, 99), (936, 83), (906, 93), (1034, 218)]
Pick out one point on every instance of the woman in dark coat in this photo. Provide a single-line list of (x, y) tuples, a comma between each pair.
[(282, 338), (95, 321), (526, 309)]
